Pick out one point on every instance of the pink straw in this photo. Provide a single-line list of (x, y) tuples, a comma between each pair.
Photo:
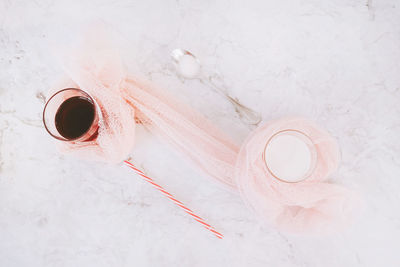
[(177, 202)]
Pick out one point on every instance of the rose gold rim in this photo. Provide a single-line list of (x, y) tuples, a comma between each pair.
[(90, 131), (314, 156)]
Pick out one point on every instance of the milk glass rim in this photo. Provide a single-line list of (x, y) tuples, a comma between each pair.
[(314, 156)]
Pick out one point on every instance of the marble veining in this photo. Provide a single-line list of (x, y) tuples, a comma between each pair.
[(336, 62)]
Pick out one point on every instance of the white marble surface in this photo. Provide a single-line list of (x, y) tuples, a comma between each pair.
[(336, 62)]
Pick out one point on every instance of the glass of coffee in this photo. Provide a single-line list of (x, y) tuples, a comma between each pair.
[(71, 115)]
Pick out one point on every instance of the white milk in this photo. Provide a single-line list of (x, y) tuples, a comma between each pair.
[(289, 157)]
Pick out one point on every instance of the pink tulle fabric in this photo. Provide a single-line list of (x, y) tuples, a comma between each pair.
[(310, 206), (96, 67)]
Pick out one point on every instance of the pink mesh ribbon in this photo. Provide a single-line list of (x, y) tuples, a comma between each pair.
[(312, 205)]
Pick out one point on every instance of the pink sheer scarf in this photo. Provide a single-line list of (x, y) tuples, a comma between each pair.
[(312, 205)]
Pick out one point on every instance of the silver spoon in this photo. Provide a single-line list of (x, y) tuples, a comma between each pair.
[(189, 67)]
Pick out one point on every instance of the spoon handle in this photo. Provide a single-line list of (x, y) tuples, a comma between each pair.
[(247, 114)]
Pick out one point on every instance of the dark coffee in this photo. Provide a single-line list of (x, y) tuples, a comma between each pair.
[(75, 117)]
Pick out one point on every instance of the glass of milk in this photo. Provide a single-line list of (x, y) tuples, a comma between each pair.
[(290, 156)]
